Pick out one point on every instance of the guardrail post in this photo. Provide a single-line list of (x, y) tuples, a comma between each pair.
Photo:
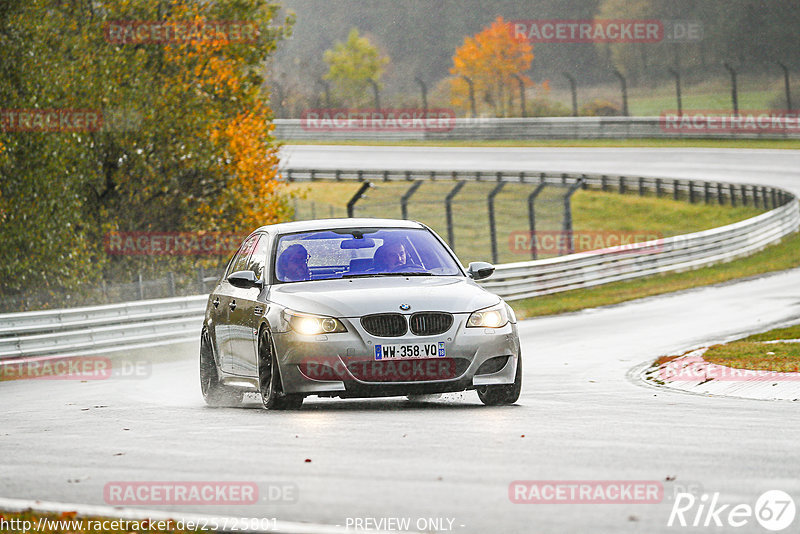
[(492, 225), (351, 204), (774, 198), (658, 187), (691, 191), (140, 286), (532, 217), (405, 198), (675, 189), (733, 195), (706, 193), (603, 183), (568, 214), (641, 186), (720, 197), (448, 210), (621, 185)]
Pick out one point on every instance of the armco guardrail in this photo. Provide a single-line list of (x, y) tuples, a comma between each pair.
[(101, 329), (534, 128), (116, 327)]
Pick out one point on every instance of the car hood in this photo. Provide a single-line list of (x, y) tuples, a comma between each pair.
[(355, 297)]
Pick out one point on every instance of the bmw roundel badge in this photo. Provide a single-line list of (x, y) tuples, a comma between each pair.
[(405, 307)]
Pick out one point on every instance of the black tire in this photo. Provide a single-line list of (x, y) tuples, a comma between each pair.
[(503, 394), (269, 378), (214, 393)]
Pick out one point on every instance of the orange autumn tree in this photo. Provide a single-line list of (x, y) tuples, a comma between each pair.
[(490, 59)]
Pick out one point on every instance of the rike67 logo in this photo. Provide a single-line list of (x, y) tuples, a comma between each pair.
[(774, 510)]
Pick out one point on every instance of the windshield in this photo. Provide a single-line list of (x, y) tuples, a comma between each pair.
[(361, 252)]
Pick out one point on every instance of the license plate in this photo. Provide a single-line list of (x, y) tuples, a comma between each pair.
[(409, 351)]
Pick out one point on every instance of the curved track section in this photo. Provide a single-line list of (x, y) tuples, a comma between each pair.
[(579, 417)]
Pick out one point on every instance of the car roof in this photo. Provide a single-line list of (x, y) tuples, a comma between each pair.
[(329, 224)]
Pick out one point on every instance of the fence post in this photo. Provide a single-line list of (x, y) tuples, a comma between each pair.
[(574, 89), (676, 189), (492, 225), (691, 191), (603, 183), (407, 196), (706, 192), (786, 86), (624, 87), (733, 195), (734, 88), (677, 76), (658, 187), (140, 286), (774, 198), (471, 96), (568, 214), (351, 204), (621, 185), (641, 186), (448, 210), (532, 217), (424, 89), (171, 283)]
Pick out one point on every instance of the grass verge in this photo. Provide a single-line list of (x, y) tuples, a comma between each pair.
[(778, 257), (778, 357)]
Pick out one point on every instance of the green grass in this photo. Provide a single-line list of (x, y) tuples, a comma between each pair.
[(785, 144), (778, 357), (778, 257), (789, 332)]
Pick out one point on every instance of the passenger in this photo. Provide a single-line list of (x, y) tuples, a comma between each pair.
[(292, 265)]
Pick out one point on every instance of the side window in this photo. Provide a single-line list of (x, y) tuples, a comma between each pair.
[(259, 257), (239, 262)]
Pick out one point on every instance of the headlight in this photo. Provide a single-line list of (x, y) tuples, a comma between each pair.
[(309, 325), (493, 317)]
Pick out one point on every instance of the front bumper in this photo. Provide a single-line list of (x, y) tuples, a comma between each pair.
[(344, 364)]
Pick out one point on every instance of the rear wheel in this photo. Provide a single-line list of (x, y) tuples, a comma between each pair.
[(505, 393), (269, 378), (214, 393)]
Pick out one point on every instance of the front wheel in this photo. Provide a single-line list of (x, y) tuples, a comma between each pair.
[(269, 377), (214, 393), (505, 393)]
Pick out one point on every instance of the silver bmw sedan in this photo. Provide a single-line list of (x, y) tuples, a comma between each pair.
[(355, 308)]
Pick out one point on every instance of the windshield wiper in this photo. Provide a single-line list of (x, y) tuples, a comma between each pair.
[(374, 275)]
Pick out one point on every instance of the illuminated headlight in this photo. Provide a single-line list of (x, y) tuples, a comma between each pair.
[(493, 317), (309, 325)]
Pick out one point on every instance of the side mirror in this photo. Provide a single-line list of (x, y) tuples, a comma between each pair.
[(478, 270), (244, 279)]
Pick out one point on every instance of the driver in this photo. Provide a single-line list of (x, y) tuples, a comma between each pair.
[(390, 257), (293, 264)]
